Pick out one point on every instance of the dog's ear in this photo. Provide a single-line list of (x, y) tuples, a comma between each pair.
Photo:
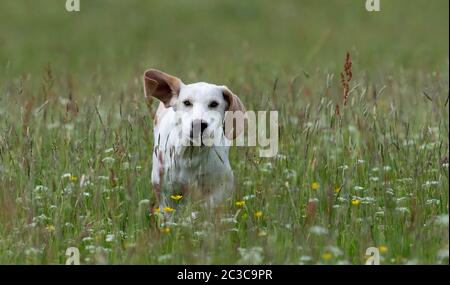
[(162, 86), (234, 114)]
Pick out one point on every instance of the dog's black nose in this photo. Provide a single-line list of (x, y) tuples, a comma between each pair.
[(198, 126), (203, 126)]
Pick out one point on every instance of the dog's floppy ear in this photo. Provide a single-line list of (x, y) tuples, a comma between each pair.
[(162, 86), (234, 114)]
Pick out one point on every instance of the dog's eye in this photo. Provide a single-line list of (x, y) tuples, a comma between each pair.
[(213, 104), (187, 103)]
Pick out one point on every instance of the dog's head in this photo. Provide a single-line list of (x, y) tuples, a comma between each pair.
[(203, 110)]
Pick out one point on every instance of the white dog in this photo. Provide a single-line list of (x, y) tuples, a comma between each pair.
[(191, 142)]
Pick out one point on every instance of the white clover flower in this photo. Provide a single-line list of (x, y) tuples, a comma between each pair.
[(200, 233), (404, 180), (358, 188), (228, 220), (108, 150), (430, 183), (443, 254), (305, 258), (442, 220), (144, 202), (110, 238), (165, 257), (336, 251), (248, 197), (403, 210), (40, 188), (318, 230), (433, 202), (87, 239), (374, 178), (66, 175), (281, 156), (69, 127), (252, 255), (108, 159)]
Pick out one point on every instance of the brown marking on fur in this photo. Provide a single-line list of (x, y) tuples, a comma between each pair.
[(162, 86), (234, 105)]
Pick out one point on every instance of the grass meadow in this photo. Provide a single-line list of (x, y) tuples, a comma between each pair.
[(369, 169)]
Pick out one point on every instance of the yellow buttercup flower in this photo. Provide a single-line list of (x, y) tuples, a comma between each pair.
[(383, 249), (165, 230), (176, 197), (356, 202), (258, 214), (157, 210), (73, 178), (327, 256), (50, 228), (168, 210), (315, 186), (262, 233), (337, 190), (240, 203)]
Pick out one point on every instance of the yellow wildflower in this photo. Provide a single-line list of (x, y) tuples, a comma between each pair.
[(315, 186), (337, 190), (50, 228), (262, 233), (73, 178), (165, 230), (356, 202), (240, 203), (383, 249), (258, 214), (168, 210), (176, 197), (327, 256)]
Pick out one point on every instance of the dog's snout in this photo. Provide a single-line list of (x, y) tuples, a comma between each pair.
[(199, 125), (203, 126)]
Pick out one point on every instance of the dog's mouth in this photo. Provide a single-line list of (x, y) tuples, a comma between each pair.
[(198, 142)]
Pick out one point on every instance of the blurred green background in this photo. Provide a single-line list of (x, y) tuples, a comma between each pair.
[(123, 37)]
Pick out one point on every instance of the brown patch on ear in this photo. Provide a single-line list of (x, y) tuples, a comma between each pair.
[(162, 86), (234, 105)]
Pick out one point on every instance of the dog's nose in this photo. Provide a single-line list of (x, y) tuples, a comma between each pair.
[(199, 125), (203, 126)]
